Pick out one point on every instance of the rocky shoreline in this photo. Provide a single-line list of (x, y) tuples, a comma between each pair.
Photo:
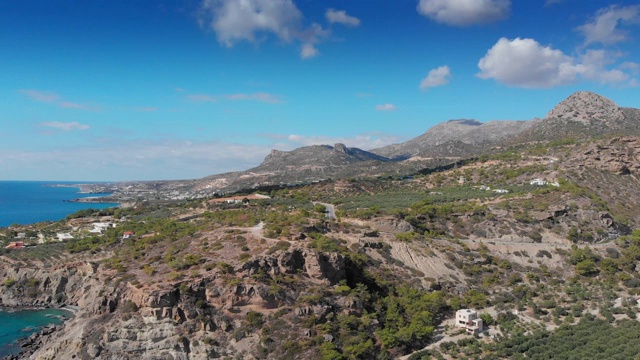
[(34, 342), (31, 344)]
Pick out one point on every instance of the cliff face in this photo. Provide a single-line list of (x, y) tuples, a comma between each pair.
[(120, 320), (47, 287)]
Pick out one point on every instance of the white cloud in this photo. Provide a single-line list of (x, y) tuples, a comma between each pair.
[(604, 27), (160, 160), (42, 96), (341, 17), (55, 99), (259, 97), (238, 20), (153, 160), (66, 126), (593, 67), (386, 107), (308, 51), (465, 12), (631, 66), (203, 98), (254, 21), (526, 63), (436, 77)]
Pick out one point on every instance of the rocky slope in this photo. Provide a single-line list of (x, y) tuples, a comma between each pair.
[(456, 138), (164, 319), (582, 115), (588, 108)]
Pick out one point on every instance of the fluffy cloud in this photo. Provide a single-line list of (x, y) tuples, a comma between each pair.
[(341, 17), (436, 77), (66, 126), (237, 20), (526, 63), (604, 27), (593, 66), (465, 12), (234, 21), (259, 97), (386, 107), (308, 51)]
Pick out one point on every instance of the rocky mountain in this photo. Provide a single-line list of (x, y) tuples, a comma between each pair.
[(581, 115), (315, 163), (456, 138), (588, 108)]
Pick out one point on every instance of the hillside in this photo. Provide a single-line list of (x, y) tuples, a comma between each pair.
[(540, 236), (461, 138)]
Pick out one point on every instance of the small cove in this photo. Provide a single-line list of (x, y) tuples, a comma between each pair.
[(16, 324)]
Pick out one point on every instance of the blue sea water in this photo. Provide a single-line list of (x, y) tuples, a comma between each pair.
[(16, 325), (27, 202)]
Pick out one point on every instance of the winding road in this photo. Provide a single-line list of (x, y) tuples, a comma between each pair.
[(330, 210)]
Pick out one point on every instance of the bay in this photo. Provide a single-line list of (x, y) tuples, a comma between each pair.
[(28, 202), (19, 324)]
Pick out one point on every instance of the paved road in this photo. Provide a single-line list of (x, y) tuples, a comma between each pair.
[(330, 211)]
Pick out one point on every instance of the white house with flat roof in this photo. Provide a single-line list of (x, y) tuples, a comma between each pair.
[(469, 320), (64, 236)]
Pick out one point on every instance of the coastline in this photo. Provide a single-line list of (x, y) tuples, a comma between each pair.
[(35, 335), (31, 202)]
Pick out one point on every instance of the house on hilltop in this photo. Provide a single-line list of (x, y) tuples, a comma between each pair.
[(469, 320)]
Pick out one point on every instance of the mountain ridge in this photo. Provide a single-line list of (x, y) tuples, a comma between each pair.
[(583, 115)]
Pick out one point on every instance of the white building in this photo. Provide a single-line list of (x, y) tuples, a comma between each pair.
[(538, 182), (468, 319), (64, 236), (500, 191), (99, 227)]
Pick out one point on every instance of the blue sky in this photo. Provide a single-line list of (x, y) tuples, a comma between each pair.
[(147, 90)]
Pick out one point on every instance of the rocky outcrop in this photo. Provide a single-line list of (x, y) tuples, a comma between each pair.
[(587, 107), (328, 268), (392, 224), (46, 287), (620, 155)]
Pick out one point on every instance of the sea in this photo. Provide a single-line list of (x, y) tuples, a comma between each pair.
[(28, 202), (15, 325)]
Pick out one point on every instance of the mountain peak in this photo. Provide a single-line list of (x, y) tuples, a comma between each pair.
[(585, 106)]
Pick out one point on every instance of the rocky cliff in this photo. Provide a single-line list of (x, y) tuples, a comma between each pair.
[(120, 319)]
